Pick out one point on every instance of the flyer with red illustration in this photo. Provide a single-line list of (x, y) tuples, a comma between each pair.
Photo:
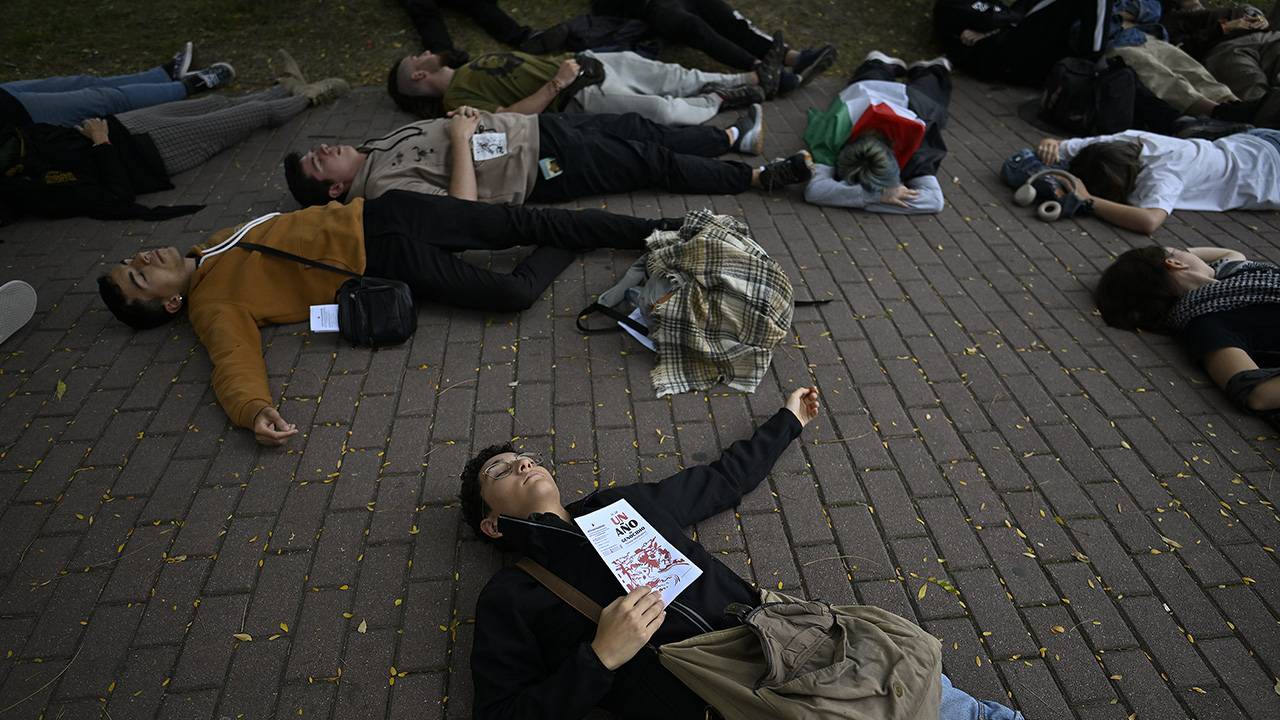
[(636, 553)]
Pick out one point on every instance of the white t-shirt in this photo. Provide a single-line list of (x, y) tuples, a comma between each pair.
[(1235, 172)]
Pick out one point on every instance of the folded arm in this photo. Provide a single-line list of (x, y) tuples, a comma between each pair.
[(825, 189)]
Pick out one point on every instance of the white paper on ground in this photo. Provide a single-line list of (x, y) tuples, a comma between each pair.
[(636, 553), (324, 318), (644, 339)]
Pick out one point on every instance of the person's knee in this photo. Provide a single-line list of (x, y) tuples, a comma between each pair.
[(513, 297)]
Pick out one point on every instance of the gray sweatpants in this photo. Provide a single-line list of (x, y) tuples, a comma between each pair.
[(190, 132), (665, 93)]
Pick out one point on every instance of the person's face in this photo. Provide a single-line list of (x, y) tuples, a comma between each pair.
[(336, 164), (159, 274), (515, 484)]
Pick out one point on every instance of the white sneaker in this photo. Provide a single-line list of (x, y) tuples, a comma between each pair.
[(17, 307), (940, 60), (886, 59), (750, 131)]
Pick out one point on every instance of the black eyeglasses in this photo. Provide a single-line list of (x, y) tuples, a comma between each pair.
[(499, 470)]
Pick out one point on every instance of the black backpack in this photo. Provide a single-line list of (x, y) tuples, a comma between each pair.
[(1082, 98)]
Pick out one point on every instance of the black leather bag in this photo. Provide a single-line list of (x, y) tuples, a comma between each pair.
[(1081, 97), (372, 312)]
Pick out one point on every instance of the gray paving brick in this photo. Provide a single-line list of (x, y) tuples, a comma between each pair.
[(1166, 641), (1142, 689), (209, 643), (317, 639), (1083, 680)]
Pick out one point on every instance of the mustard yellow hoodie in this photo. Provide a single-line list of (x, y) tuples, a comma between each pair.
[(235, 292)]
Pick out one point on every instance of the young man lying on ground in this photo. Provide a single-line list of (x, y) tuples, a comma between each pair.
[(544, 158), (1135, 179), (1223, 308), (534, 656), (230, 292), (879, 145), (592, 82)]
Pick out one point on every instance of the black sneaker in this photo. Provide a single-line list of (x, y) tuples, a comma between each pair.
[(813, 62), (733, 97), (797, 168), (1187, 127), (787, 82), (750, 131), (180, 65), (1237, 110), (210, 78), (769, 68)]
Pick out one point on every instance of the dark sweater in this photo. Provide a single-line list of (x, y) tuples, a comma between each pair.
[(532, 655)]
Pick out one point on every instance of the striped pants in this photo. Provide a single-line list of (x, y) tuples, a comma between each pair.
[(190, 132)]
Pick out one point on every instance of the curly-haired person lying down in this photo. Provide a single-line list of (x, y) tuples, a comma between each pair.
[(1224, 309)]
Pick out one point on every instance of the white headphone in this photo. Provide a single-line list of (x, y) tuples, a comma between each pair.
[(1048, 210)]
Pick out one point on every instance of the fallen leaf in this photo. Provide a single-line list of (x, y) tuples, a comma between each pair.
[(923, 589), (284, 627), (61, 390), (1058, 629), (363, 628), (243, 637)]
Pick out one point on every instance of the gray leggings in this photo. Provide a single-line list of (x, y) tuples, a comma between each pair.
[(190, 132)]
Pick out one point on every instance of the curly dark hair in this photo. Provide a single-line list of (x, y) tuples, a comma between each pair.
[(419, 105), (137, 315), (1135, 291), (306, 190), (473, 507)]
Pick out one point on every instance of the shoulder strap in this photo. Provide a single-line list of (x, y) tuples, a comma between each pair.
[(563, 590), (611, 313), (296, 258)]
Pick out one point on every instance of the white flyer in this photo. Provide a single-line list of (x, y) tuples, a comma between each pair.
[(324, 318), (488, 145), (636, 553), (642, 339)]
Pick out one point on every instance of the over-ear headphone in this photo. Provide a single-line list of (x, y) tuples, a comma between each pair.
[(1050, 207)]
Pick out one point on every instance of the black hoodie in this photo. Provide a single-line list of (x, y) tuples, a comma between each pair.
[(532, 655)]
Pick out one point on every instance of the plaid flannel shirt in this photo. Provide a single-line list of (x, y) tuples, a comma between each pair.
[(732, 304)]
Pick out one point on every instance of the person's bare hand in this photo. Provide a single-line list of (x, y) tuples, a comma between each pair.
[(899, 195), (567, 73), (626, 624), (803, 403), (95, 129), (463, 123), (1048, 151), (270, 429)]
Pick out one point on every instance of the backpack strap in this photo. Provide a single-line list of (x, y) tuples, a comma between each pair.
[(563, 590), (611, 313), (296, 258)]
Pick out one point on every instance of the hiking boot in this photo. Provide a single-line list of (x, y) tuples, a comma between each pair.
[(322, 91), (1187, 127), (813, 62), (769, 68), (17, 307), (940, 61), (288, 74), (733, 97), (210, 78), (898, 65), (797, 168), (180, 65), (750, 131)]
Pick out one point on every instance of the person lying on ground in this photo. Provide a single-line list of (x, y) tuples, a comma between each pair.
[(1135, 179), (70, 99), (230, 292), (1236, 46), (534, 656), (1223, 308), (545, 158), (1018, 43), (718, 30), (592, 82), (879, 145), (428, 20), (99, 169)]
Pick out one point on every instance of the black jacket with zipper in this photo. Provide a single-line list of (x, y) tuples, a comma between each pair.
[(532, 655)]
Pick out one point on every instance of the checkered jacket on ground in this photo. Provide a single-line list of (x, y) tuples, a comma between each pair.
[(731, 306)]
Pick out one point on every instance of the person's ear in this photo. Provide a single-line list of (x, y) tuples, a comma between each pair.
[(337, 189), (1173, 263), (489, 526), (173, 304)]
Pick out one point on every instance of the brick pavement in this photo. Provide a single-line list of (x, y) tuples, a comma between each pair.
[(1075, 511)]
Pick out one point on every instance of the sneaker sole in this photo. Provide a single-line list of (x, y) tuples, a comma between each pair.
[(17, 307), (188, 56), (821, 64)]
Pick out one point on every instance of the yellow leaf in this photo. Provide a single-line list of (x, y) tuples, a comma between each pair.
[(364, 627), (1058, 629), (243, 637), (284, 627), (61, 390), (923, 589), (398, 602)]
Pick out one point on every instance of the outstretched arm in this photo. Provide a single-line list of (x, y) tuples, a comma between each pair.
[(1214, 254), (1139, 220)]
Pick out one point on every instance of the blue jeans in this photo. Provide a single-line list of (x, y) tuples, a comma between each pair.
[(960, 705), (1271, 136), (70, 99)]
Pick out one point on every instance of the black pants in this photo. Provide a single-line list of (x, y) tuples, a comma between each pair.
[(603, 154), (412, 237), (429, 22), (1152, 113), (707, 25), (928, 96), (1024, 53)]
